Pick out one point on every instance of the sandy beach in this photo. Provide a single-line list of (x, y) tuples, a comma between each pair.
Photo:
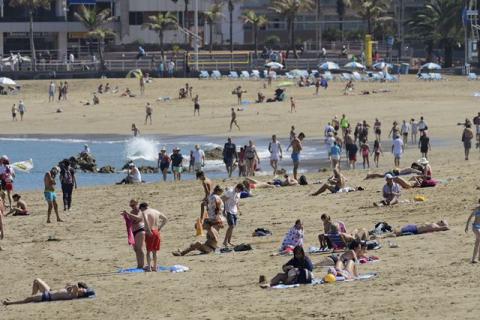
[(428, 277)]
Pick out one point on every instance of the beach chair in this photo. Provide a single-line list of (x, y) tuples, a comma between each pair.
[(216, 75), (244, 75), (204, 74), (314, 74), (356, 76), (233, 75), (255, 74), (336, 241), (472, 76), (346, 76), (328, 76)]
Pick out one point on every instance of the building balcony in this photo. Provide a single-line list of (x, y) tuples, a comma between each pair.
[(50, 26)]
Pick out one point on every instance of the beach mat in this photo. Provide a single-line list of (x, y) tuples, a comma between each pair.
[(317, 281), (175, 269)]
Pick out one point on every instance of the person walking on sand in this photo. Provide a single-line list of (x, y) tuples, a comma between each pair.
[(476, 231), (142, 85), (276, 153), (14, 112), (68, 182), (163, 163), (252, 158), (198, 158), (177, 167), (231, 199), (414, 126), (292, 105), (467, 137), (21, 109), (297, 147), (65, 90), (135, 130), (422, 125), (292, 133), (377, 128), (196, 106), (405, 130), (154, 222), (424, 144), (51, 92), (229, 156), (60, 91), (234, 120), (50, 195), (365, 151), (138, 230), (377, 149), (344, 124), (207, 186), (397, 149), (148, 113)]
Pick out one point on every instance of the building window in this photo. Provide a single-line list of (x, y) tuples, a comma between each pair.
[(135, 18)]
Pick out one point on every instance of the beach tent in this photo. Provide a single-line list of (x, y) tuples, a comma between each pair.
[(354, 65), (7, 82), (135, 73), (274, 65), (329, 66), (382, 65), (431, 66)]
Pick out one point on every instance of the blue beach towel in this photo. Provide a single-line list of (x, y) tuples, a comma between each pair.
[(318, 281), (174, 269)]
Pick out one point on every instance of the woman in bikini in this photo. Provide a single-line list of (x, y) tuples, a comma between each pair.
[(138, 228), (41, 292), (476, 231), (252, 158), (377, 127)]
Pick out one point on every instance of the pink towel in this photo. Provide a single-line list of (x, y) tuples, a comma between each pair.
[(129, 224)]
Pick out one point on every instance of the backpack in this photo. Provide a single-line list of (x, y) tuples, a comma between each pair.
[(303, 180), (67, 176), (242, 247)]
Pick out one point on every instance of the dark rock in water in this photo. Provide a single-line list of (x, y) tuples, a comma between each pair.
[(148, 169), (85, 162), (106, 169), (214, 154)]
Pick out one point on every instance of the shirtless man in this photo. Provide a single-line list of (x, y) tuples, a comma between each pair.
[(148, 112), (21, 207), (138, 229), (234, 120), (49, 193), (441, 225), (41, 292), (207, 188), (296, 145), (210, 245), (154, 222), (334, 183)]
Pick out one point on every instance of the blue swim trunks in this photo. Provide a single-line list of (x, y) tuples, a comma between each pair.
[(50, 196), (410, 229), (295, 157)]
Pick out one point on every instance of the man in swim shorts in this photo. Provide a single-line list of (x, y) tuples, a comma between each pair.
[(296, 145), (154, 222), (441, 225), (50, 195)]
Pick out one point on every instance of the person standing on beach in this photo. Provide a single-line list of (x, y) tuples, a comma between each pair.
[(234, 120), (414, 126), (252, 158), (397, 149), (50, 195), (138, 230), (394, 131), (229, 156), (68, 182), (293, 106), (51, 92), (297, 147), (142, 85), (377, 149), (177, 167), (405, 130), (292, 133), (231, 199), (154, 222), (60, 91), (163, 163), (467, 137), (422, 125), (276, 153), (476, 231), (207, 186), (424, 144), (21, 109), (135, 130), (198, 158), (344, 124), (377, 128), (14, 112), (148, 113), (196, 106), (65, 90)]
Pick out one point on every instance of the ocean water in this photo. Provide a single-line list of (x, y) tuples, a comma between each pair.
[(117, 150)]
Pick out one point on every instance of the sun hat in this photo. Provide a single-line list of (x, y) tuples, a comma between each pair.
[(131, 164), (388, 176), (422, 161), (163, 149)]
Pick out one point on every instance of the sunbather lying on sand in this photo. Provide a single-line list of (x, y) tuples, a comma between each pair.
[(415, 182), (408, 229), (41, 292), (394, 172), (287, 182), (347, 270)]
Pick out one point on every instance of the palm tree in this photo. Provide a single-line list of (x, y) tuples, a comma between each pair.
[(31, 6), (372, 11), (256, 21), (159, 23), (185, 16), (95, 22), (290, 9), (342, 6), (438, 23), (211, 17)]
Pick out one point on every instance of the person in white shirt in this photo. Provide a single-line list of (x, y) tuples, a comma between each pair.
[(328, 128), (397, 149), (231, 199), (198, 158), (422, 125), (414, 126), (405, 130), (276, 153)]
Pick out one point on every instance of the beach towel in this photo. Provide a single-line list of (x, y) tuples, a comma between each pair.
[(318, 281), (129, 225), (174, 269), (313, 250)]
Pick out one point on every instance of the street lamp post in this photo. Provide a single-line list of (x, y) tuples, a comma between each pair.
[(196, 35)]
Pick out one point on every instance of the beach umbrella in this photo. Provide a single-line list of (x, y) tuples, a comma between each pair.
[(329, 66), (354, 65), (274, 65), (7, 81), (382, 65), (135, 73), (299, 73), (431, 66)]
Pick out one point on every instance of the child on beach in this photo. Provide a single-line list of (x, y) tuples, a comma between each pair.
[(377, 149), (20, 208), (135, 130), (292, 105), (476, 231), (365, 150)]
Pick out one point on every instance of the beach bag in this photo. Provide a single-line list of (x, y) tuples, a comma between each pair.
[(261, 232), (242, 247), (303, 180)]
